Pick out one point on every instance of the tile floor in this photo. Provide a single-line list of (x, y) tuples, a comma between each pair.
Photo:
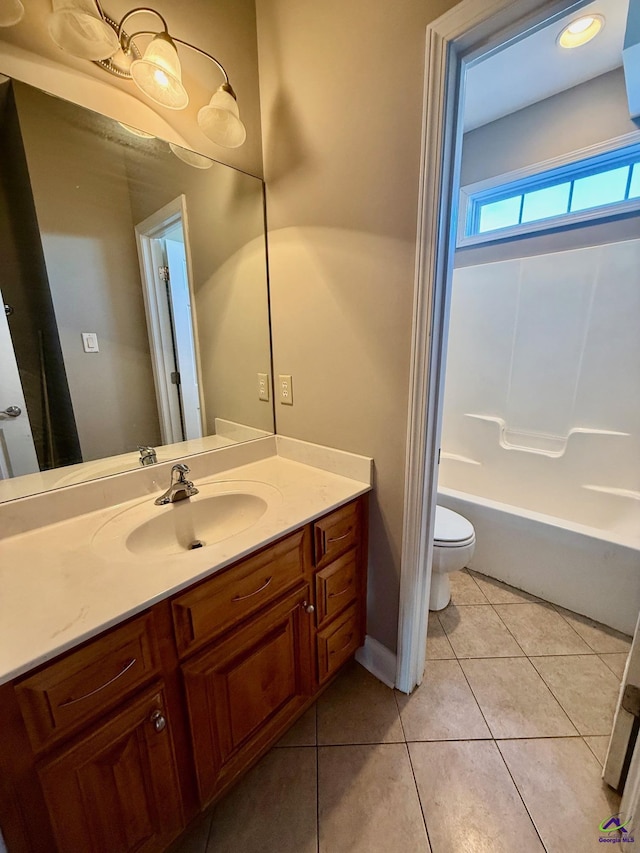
[(499, 750)]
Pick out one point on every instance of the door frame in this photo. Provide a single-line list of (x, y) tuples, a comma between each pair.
[(152, 228), (461, 37)]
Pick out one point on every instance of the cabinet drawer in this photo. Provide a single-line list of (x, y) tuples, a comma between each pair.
[(336, 533), (336, 586), (221, 602), (338, 642), (85, 683)]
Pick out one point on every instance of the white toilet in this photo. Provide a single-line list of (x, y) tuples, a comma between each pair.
[(453, 545)]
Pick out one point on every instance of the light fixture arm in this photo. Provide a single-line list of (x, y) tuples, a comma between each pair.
[(100, 9), (126, 40), (208, 55)]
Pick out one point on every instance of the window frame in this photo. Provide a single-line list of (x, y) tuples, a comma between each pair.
[(570, 167)]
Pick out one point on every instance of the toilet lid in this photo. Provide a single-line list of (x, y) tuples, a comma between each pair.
[(451, 527)]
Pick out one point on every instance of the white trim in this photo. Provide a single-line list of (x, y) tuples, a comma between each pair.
[(471, 25), (158, 324), (527, 172), (378, 660)]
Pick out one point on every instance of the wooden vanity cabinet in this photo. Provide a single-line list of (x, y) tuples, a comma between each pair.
[(244, 691), (102, 760), (114, 746), (116, 788), (340, 540)]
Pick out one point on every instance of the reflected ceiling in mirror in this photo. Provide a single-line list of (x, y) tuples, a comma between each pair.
[(136, 299)]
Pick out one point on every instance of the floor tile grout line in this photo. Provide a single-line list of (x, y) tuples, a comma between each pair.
[(584, 738), (520, 794), (415, 782), (208, 839), (557, 699), (395, 697), (600, 655), (552, 694), (491, 737), (577, 633), (550, 689), (510, 631), (475, 699), (476, 584), (493, 740)]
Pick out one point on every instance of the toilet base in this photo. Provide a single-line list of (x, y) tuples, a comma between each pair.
[(440, 594)]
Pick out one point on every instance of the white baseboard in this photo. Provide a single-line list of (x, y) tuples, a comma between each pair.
[(378, 660)]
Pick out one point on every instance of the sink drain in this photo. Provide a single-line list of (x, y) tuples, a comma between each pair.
[(197, 543)]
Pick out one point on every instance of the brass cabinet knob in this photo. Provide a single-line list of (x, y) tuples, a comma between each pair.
[(159, 721), (308, 608)]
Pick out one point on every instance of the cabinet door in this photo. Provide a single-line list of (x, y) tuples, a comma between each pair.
[(116, 789), (244, 691)]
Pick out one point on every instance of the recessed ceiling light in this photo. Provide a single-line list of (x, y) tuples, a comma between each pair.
[(581, 31)]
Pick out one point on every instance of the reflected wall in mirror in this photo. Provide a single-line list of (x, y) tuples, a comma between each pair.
[(135, 292)]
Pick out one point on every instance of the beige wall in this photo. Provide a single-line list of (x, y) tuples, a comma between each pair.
[(80, 192), (341, 88), (592, 113), (226, 236)]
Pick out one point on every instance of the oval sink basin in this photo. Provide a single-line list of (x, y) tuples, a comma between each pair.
[(188, 526), (219, 511)]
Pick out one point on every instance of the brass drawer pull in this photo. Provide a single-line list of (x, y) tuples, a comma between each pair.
[(342, 648), (340, 538), (126, 668), (251, 594), (342, 592)]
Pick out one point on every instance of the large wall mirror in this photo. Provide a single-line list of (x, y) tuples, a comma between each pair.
[(134, 286)]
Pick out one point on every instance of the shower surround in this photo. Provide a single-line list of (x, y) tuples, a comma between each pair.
[(541, 426)]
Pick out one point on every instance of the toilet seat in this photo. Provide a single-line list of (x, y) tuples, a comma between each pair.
[(451, 529)]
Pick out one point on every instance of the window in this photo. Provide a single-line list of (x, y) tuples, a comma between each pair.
[(602, 185)]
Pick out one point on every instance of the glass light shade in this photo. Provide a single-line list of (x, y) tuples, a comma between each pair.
[(220, 120), (198, 161), (77, 28), (11, 13), (580, 31), (159, 76), (136, 131)]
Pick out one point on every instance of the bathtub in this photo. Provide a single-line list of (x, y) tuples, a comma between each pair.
[(594, 571)]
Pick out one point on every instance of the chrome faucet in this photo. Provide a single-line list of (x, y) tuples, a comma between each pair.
[(147, 455), (180, 487)]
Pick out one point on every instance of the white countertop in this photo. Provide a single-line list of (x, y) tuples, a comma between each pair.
[(58, 587)]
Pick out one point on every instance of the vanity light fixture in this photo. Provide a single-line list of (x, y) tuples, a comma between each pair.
[(580, 31), (191, 158), (134, 131), (11, 13), (82, 29)]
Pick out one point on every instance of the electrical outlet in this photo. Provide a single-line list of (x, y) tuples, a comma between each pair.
[(263, 386), (285, 389)]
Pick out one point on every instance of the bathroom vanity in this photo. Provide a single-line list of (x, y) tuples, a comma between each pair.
[(117, 743)]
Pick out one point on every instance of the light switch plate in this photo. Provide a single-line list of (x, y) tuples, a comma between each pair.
[(263, 386), (90, 342), (285, 389)]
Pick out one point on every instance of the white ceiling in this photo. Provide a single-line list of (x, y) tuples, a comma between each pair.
[(536, 68)]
